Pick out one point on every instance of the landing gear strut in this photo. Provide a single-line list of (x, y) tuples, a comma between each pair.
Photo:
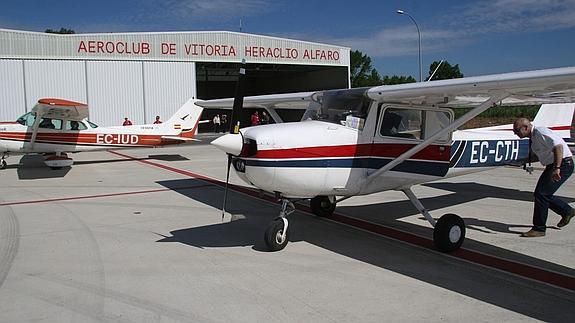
[(277, 233), (3, 163), (449, 230)]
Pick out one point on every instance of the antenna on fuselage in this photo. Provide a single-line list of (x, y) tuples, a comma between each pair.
[(434, 71)]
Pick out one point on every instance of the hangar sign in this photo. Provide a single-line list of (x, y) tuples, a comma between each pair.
[(200, 49), (176, 46)]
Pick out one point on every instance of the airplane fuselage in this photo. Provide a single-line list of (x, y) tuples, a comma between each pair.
[(341, 158), (16, 138)]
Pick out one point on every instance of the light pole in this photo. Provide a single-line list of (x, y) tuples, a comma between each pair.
[(401, 12)]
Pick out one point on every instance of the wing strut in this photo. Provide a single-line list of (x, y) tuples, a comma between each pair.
[(496, 97)]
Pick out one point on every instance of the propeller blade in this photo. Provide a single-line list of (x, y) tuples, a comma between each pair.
[(226, 189), (238, 99), (235, 125)]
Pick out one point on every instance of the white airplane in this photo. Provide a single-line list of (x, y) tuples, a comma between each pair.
[(361, 141), (55, 127)]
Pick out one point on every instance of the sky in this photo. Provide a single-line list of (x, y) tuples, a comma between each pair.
[(482, 36)]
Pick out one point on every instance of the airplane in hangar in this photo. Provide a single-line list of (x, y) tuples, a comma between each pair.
[(55, 127), (365, 140)]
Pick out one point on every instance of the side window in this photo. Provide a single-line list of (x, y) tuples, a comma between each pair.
[(402, 123), (75, 125), (413, 123), (48, 123)]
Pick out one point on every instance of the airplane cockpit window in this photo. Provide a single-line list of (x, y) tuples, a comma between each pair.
[(403, 123), (48, 123), (415, 123), (75, 125), (27, 119), (344, 107)]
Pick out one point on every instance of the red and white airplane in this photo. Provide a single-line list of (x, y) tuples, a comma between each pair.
[(361, 141), (55, 127)]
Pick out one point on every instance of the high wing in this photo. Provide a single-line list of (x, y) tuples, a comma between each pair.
[(532, 87), (60, 109), (57, 109)]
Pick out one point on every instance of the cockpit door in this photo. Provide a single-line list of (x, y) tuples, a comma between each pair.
[(400, 128)]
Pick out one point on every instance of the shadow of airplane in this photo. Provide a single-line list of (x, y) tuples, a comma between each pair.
[(32, 166), (251, 215)]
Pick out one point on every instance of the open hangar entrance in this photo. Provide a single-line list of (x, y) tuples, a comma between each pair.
[(215, 80)]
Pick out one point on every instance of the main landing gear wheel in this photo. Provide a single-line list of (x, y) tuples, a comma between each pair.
[(274, 237), (322, 206), (449, 233)]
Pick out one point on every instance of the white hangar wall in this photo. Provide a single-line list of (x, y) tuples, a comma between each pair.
[(112, 89), (141, 75)]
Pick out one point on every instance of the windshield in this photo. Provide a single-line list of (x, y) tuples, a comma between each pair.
[(27, 119), (344, 107)]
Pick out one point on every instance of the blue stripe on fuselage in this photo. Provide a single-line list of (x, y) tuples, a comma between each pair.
[(409, 166)]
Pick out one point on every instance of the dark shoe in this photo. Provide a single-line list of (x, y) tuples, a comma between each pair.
[(533, 234), (565, 219)]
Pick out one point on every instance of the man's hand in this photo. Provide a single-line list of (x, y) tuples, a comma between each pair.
[(556, 175)]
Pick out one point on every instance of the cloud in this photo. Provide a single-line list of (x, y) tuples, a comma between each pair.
[(464, 24), (206, 10)]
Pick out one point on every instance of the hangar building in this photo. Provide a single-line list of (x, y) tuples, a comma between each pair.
[(141, 75)]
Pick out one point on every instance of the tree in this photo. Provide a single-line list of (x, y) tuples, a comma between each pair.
[(446, 71), (398, 80), (362, 72), (61, 31)]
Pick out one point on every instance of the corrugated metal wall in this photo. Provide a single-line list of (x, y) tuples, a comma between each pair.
[(12, 104), (167, 86), (113, 89), (54, 79)]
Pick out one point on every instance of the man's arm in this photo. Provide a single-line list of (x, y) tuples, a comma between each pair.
[(558, 158)]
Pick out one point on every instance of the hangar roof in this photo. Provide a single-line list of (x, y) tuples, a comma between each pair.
[(195, 46)]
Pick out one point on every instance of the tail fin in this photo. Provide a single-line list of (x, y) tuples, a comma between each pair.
[(557, 117), (184, 122)]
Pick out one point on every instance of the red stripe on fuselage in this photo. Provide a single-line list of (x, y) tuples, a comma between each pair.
[(89, 138), (433, 152)]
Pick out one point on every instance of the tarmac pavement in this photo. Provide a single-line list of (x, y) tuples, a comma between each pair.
[(133, 240)]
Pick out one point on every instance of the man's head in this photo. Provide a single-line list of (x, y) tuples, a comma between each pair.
[(157, 117), (522, 127)]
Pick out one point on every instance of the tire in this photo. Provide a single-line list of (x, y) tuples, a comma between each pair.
[(449, 233), (273, 235), (322, 206)]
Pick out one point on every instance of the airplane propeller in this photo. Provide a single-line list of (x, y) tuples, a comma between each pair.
[(231, 141)]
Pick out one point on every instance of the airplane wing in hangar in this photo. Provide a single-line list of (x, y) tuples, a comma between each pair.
[(61, 109), (272, 101)]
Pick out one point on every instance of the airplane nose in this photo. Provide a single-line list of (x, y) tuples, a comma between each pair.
[(230, 143)]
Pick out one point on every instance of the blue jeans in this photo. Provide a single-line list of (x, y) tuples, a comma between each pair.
[(544, 198)]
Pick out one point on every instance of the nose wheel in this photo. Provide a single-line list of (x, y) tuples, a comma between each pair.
[(277, 233)]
